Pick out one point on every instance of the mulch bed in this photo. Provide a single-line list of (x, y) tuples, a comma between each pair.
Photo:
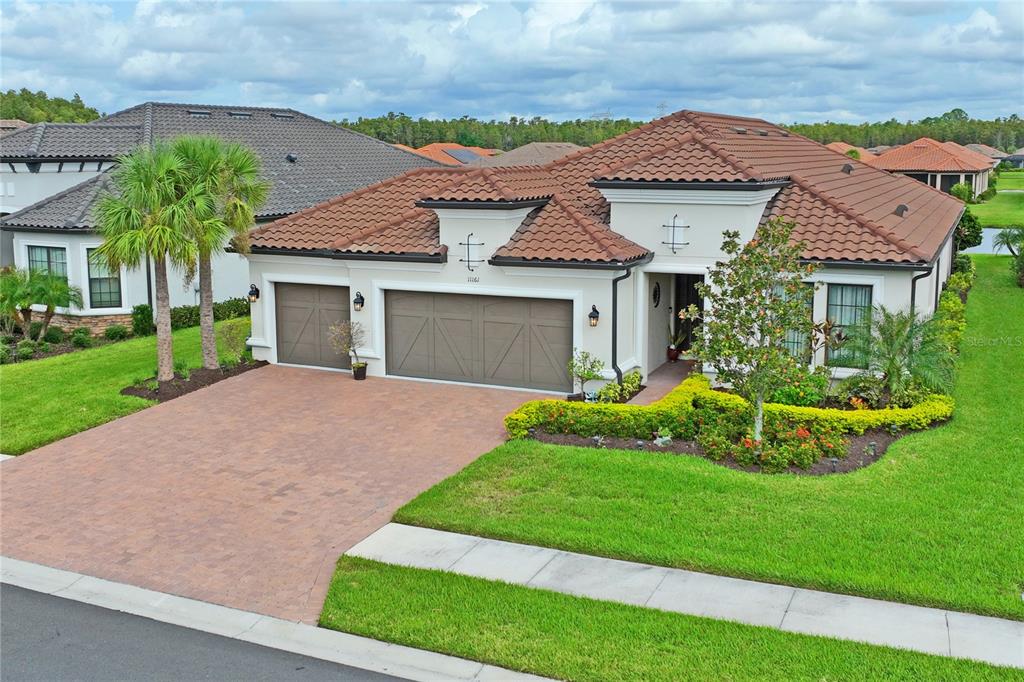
[(857, 455), (179, 386)]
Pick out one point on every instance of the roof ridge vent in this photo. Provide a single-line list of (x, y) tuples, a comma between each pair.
[(240, 114), (281, 114), (199, 113), (741, 131), (847, 168), (762, 132), (902, 210)]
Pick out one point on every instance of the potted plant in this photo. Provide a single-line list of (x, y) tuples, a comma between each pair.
[(676, 338), (346, 338), (583, 367)]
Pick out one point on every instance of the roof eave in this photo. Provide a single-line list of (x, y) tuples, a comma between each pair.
[(408, 257), (509, 261), (734, 186), (485, 204)]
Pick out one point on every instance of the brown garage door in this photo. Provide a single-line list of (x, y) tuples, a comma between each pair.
[(523, 342), (304, 314)]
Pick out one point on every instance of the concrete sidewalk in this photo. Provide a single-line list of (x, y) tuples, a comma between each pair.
[(918, 628)]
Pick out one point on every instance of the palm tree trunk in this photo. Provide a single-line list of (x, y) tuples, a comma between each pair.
[(26, 322), (209, 338), (47, 316), (164, 348)]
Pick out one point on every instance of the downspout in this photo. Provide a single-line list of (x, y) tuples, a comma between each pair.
[(615, 315), (913, 286)]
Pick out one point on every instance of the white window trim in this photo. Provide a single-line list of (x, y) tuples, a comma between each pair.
[(877, 285), (123, 279), (21, 246)]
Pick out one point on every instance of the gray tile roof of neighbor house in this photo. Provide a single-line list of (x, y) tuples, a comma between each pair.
[(305, 159), (530, 154)]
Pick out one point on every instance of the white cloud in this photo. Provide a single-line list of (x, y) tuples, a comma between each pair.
[(850, 61)]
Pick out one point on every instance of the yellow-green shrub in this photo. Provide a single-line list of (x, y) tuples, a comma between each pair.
[(681, 412)]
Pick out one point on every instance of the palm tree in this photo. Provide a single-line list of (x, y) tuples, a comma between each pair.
[(16, 294), (1011, 239), (52, 292), (232, 192), (903, 349), (150, 215)]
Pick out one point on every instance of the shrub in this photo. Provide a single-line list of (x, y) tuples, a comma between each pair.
[(25, 352), (964, 263), (803, 387), (968, 232), (232, 336), (182, 368), (951, 320), (988, 193), (613, 392), (34, 329), (116, 332), (864, 387), (960, 282), (142, 320), (184, 316), (5, 354), (584, 367), (7, 339), (81, 331), (53, 335), (963, 192), (231, 308), (81, 340)]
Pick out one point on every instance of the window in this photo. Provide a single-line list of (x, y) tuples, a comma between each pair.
[(104, 284), (849, 309), (52, 260), (799, 343)]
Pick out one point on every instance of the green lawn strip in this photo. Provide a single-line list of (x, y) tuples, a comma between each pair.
[(1002, 210), (1010, 181), (935, 522), (45, 400), (574, 638)]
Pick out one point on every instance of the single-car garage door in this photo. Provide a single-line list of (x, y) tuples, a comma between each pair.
[(305, 313), (504, 341)]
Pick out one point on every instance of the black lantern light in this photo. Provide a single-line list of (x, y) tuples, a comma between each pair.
[(358, 301), (254, 293), (594, 316)]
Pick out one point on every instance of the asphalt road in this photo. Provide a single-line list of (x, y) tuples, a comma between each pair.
[(48, 638)]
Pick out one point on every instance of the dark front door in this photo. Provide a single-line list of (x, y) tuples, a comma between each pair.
[(686, 295), (305, 313)]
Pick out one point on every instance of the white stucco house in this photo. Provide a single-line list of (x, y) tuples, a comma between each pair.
[(52, 175), (493, 275)]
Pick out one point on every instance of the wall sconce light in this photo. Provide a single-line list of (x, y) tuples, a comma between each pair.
[(594, 316), (358, 301), (254, 293)]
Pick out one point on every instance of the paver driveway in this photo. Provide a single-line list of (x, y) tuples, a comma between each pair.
[(246, 492)]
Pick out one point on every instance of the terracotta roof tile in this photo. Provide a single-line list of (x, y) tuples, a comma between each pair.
[(844, 148), (845, 209), (452, 153), (927, 154), (529, 154)]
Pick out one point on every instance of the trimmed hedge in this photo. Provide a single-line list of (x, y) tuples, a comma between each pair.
[(681, 412), (187, 315)]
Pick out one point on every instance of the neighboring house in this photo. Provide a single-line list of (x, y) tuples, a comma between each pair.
[(882, 148), (495, 275), (996, 155), (843, 148), (937, 164), (530, 154), (1016, 159), (54, 174), (450, 153), (10, 124)]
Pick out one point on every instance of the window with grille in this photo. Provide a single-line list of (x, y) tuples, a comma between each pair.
[(799, 343), (104, 283), (53, 260), (849, 309)]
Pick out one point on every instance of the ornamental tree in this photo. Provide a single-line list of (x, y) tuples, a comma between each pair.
[(752, 301)]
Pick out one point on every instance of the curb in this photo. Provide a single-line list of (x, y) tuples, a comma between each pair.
[(275, 633)]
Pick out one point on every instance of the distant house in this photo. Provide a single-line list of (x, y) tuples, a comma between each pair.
[(843, 148), (450, 153), (938, 164), (10, 124), (882, 148), (530, 154), (1016, 159), (53, 174), (991, 152)]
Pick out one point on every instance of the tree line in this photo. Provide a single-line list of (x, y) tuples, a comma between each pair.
[(36, 107)]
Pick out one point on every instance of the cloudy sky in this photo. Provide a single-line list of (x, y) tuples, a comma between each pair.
[(786, 61)]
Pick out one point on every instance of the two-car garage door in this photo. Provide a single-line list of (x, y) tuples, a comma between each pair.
[(502, 341)]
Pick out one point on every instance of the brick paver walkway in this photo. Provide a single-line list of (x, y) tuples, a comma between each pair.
[(244, 493)]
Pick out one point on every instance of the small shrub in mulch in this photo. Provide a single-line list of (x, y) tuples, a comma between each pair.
[(186, 381), (861, 450)]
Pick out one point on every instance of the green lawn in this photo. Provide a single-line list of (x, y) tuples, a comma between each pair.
[(45, 400), (1011, 180), (938, 521), (1003, 210), (573, 638)]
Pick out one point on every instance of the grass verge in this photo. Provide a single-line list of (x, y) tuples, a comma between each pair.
[(574, 638), (1011, 180), (45, 400), (1002, 210), (935, 522)]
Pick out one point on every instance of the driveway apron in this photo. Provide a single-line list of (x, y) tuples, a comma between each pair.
[(246, 492)]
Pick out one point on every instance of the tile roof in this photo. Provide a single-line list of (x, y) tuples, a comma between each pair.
[(985, 150), (331, 160), (9, 124), (844, 148), (70, 209), (926, 154), (530, 154), (453, 153), (846, 210)]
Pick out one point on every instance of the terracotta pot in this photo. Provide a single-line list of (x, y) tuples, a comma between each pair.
[(359, 372), (575, 397), (672, 354)]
